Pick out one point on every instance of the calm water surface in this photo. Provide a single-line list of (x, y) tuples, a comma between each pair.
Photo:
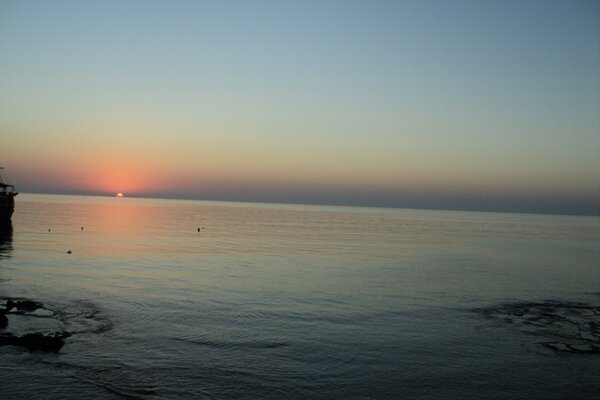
[(299, 302)]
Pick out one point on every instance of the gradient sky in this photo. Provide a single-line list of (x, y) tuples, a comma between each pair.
[(486, 105)]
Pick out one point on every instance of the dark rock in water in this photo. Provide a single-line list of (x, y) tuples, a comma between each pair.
[(39, 341), (10, 304), (28, 305), (36, 341), (3, 320), (23, 305)]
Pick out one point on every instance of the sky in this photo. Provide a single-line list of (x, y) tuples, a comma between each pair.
[(473, 105)]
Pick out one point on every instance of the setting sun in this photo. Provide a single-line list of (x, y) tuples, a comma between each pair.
[(119, 194)]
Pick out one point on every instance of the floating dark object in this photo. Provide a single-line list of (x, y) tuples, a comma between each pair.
[(48, 230), (3, 320), (69, 252), (198, 229), (82, 228)]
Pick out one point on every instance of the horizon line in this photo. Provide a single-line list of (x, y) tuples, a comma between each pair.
[(316, 204)]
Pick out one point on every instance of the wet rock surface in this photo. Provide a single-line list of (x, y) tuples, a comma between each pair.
[(562, 326)]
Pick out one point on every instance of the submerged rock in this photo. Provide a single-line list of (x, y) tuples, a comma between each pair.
[(37, 328), (36, 341), (562, 326), (25, 308)]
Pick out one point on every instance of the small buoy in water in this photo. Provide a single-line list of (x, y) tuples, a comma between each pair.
[(69, 252), (82, 228), (198, 229), (48, 230)]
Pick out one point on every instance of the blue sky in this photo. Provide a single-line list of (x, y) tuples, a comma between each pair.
[(443, 104)]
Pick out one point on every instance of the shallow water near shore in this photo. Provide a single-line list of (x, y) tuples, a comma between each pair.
[(168, 299)]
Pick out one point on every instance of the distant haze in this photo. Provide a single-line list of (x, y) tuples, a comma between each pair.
[(425, 104)]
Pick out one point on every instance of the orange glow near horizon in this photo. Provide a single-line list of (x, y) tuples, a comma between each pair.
[(119, 194)]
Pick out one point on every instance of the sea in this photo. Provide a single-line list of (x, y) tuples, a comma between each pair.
[(181, 299)]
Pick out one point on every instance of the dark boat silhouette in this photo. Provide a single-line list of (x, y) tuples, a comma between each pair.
[(7, 201)]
